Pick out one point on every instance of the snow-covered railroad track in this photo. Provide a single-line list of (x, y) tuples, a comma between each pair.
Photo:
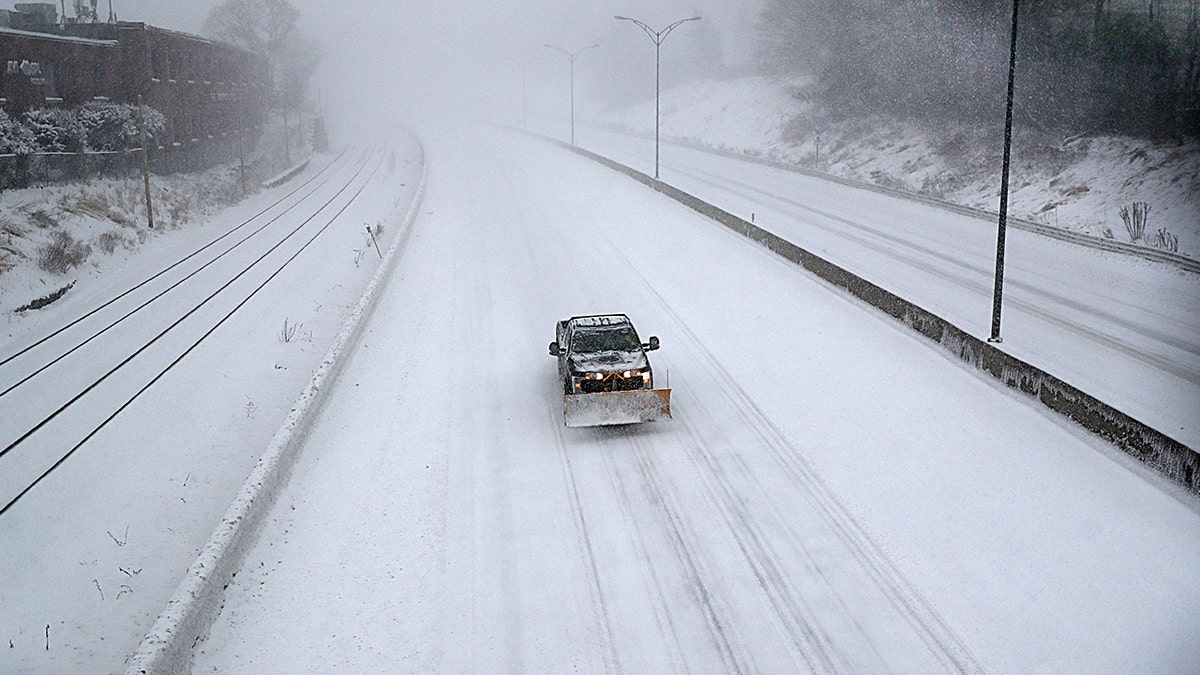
[(56, 332), (39, 437)]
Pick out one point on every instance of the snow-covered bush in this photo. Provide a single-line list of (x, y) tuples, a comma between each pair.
[(56, 129), (115, 126), (15, 138), (94, 126)]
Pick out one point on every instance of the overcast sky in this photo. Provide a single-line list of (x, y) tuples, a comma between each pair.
[(387, 56)]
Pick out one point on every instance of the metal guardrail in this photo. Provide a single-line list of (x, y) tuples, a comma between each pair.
[(1165, 455)]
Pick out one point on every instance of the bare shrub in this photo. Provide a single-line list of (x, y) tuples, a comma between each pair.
[(109, 241), (98, 205), (62, 253), (1166, 241), (180, 211), (11, 228), (288, 332), (1134, 216), (42, 218)]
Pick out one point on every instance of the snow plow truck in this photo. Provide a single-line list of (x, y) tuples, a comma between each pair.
[(605, 373)]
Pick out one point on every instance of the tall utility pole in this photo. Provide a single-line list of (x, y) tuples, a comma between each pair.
[(658, 36), (145, 163), (571, 57), (998, 294)]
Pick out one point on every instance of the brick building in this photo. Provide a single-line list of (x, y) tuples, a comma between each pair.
[(206, 90)]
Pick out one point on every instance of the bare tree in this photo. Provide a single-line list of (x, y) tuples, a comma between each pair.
[(269, 27)]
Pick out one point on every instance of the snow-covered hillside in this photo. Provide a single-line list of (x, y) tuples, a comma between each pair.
[(1079, 183)]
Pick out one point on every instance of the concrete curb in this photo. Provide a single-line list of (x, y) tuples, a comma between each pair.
[(1165, 455), (167, 648)]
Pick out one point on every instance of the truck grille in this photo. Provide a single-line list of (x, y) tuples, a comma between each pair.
[(613, 382)]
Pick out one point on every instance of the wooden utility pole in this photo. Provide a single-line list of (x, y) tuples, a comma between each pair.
[(145, 163)]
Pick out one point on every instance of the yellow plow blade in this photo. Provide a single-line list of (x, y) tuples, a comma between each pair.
[(616, 407)]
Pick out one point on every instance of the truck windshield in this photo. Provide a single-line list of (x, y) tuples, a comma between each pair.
[(621, 339)]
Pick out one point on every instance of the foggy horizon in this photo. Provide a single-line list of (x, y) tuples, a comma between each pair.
[(382, 63)]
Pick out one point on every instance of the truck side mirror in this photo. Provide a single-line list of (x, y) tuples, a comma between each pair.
[(554, 349), (653, 344)]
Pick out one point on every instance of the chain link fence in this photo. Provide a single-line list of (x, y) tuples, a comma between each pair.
[(22, 171)]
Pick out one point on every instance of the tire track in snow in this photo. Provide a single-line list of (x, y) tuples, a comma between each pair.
[(944, 645), (808, 640), (612, 663), (682, 543), (658, 596), (583, 540), (661, 607)]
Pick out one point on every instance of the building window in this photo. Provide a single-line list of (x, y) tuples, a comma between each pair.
[(49, 87)]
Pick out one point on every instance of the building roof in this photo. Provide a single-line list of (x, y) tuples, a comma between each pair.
[(57, 38)]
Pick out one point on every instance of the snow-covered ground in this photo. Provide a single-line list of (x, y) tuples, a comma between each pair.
[(832, 495), (1079, 183), (804, 511), (91, 554)]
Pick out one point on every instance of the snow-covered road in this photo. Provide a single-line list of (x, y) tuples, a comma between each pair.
[(833, 495), (1122, 329)]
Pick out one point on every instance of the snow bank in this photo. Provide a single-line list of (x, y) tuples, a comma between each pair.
[(198, 600), (286, 175), (1170, 458)]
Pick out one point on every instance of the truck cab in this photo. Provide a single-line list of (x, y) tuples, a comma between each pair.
[(600, 355)]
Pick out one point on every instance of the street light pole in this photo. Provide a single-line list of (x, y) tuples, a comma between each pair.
[(658, 36), (571, 57), (998, 291)]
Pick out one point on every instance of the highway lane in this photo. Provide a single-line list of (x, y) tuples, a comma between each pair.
[(832, 495)]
